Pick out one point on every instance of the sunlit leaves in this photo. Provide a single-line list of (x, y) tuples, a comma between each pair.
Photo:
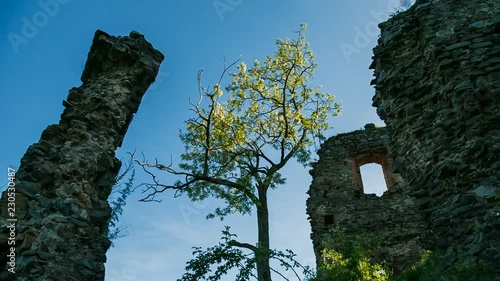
[(277, 97), (267, 115), (347, 258)]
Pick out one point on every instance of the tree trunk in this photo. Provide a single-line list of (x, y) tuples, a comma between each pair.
[(263, 268)]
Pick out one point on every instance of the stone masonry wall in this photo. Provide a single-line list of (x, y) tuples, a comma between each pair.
[(437, 69), (64, 180), (336, 199)]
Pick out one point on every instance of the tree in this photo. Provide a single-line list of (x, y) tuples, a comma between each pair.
[(123, 189), (235, 148)]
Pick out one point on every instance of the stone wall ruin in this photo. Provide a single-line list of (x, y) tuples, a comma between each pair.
[(64, 180), (437, 81), (336, 199)]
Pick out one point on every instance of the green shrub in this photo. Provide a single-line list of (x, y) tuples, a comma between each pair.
[(437, 266), (346, 257)]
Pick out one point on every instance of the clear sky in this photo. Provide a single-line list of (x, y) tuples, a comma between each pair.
[(44, 46)]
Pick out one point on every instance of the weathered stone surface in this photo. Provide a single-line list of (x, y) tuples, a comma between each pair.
[(337, 199), (441, 59), (64, 180)]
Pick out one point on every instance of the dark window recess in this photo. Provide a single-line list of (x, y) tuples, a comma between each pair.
[(328, 220)]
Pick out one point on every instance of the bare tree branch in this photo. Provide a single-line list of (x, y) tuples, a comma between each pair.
[(190, 179), (280, 274)]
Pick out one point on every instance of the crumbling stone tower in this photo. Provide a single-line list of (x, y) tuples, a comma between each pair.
[(337, 199), (437, 81), (64, 180)]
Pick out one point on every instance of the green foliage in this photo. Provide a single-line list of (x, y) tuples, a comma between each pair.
[(238, 142), (289, 263), (123, 189), (215, 262), (426, 269), (436, 266), (347, 258), (469, 272), (224, 256), (271, 115)]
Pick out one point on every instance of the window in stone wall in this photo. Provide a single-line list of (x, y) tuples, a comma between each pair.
[(373, 179), (329, 220)]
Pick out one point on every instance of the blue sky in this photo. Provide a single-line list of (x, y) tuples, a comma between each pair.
[(44, 45)]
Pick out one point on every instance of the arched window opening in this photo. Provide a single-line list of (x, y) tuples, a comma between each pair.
[(373, 179), (329, 220)]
